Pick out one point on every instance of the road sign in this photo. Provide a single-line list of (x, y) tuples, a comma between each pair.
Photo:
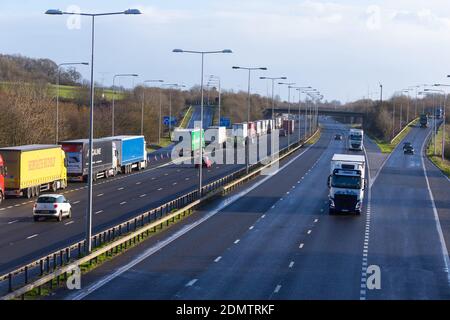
[(225, 122), (167, 120)]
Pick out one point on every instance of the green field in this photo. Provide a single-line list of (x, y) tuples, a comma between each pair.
[(444, 165), (68, 92)]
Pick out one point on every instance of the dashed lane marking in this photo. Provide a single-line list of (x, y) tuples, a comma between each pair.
[(291, 264), (277, 289), (122, 203), (33, 236), (301, 245), (218, 259), (67, 223), (237, 241), (99, 211), (14, 221), (191, 283)]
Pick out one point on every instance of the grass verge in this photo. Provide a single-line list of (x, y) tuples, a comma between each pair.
[(444, 165), (388, 146)]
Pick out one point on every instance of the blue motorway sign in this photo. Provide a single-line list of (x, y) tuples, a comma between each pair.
[(225, 122), (166, 119)]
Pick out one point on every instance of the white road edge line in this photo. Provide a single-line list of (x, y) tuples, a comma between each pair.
[(436, 215), (152, 250)]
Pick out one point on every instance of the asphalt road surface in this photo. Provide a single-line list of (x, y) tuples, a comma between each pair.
[(275, 240)]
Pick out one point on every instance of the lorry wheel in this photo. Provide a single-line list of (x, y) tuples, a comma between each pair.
[(70, 214), (37, 191), (54, 186), (29, 193), (1, 197), (332, 212), (60, 217), (36, 219)]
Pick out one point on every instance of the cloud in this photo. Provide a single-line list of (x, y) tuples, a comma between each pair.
[(421, 18)]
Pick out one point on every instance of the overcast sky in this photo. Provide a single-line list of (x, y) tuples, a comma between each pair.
[(343, 48)]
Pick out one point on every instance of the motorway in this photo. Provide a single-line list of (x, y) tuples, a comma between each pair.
[(115, 200), (208, 116), (275, 240)]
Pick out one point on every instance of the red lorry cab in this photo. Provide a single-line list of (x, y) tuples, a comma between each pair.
[(2, 179)]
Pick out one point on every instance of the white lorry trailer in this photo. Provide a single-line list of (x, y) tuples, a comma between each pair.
[(347, 183), (355, 139)]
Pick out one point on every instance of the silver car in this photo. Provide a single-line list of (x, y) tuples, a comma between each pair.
[(52, 206)]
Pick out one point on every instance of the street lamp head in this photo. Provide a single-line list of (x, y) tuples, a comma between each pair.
[(227, 51), (263, 68), (54, 12), (262, 78), (85, 63), (132, 11), (177, 50), (235, 67), (284, 78)]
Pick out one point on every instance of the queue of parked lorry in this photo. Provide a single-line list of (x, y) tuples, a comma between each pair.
[(237, 136), (26, 171)]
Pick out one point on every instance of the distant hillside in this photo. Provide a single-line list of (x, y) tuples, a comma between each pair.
[(15, 68)]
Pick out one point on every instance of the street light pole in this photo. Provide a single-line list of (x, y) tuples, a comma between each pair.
[(114, 96), (273, 79), (202, 53), (91, 115), (143, 103), (57, 93), (290, 86), (249, 69)]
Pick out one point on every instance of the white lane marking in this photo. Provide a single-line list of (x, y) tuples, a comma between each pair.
[(315, 220), (33, 236), (444, 250), (142, 195), (251, 227), (301, 245), (76, 202), (152, 250), (218, 259), (99, 211), (70, 222), (100, 194), (277, 288), (138, 183), (187, 179), (2, 209), (9, 207), (122, 203), (175, 183), (191, 283), (121, 188), (309, 231), (263, 216), (14, 221), (291, 264), (160, 189)]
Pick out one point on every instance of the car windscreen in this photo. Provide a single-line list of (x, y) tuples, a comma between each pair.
[(47, 200), (355, 137), (347, 182)]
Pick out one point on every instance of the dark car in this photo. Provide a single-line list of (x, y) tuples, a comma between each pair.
[(338, 136), (408, 148)]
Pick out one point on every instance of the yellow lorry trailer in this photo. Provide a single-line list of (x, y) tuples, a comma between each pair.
[(32, 169)]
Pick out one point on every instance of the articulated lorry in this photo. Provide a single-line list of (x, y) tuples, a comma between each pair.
[(192, 147), (347, 183), (131, 153), (423, 120), (355, 139), (2, 179), (216, 135), (32, 169), (239, 134), (105, 158)]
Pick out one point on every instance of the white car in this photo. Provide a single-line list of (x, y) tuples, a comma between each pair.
[(52, 206)]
